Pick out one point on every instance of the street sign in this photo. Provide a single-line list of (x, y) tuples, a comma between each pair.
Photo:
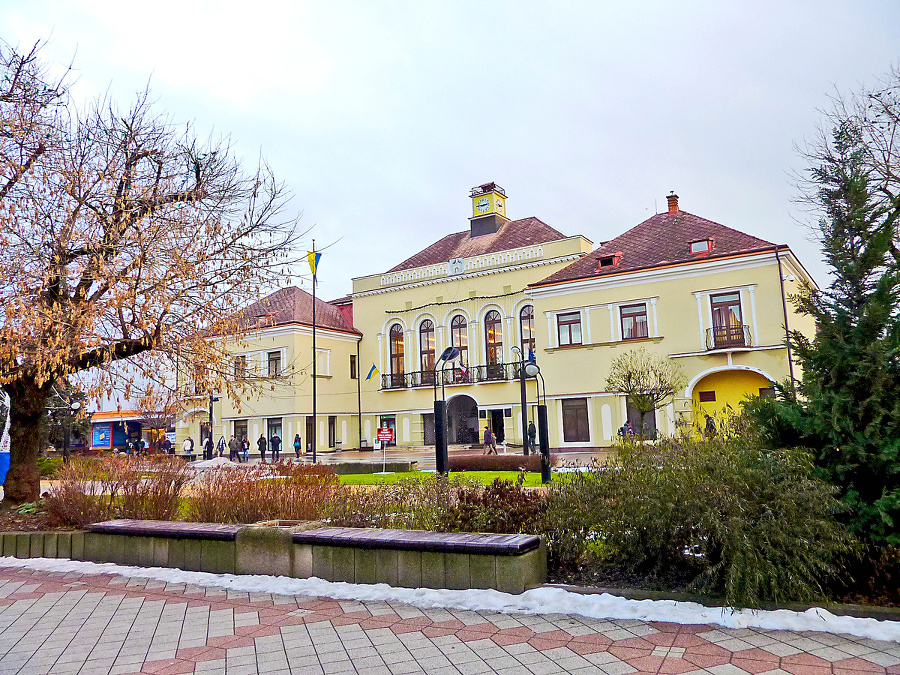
[(385, 434)]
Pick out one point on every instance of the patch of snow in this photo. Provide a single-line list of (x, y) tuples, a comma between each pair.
[(536, 601), (212, 463)]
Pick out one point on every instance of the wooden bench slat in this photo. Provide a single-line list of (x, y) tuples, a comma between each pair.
[(409, 540), (167, 529)]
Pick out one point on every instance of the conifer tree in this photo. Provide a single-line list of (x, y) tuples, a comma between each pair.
[(847, 407)]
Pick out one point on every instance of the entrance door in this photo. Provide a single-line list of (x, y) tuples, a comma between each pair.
[(648, 428), (497, 425), (428, 423), (462, 420), (310, 430)]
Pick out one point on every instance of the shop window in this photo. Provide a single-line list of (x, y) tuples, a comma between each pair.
[(575, 420), (569, 328)]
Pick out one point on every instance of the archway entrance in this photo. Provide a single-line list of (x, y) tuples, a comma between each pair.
[(722, 392), (462, 420)]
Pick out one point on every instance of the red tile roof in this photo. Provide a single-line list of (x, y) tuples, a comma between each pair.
[(515, 233), (294, 305), (662, 240)]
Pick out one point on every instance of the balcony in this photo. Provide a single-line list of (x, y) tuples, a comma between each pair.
[(728, 337), (495, 372)]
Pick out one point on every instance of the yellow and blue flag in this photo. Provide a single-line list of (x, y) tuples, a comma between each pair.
[(373, 371), (313, 262)]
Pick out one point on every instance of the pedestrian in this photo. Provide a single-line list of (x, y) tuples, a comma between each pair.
[(192, 444), (710, 427), (245, 444), (167, 446), (261, 445), (489, 443), (187, 446), (220, 446), (297, 445), (208, 448), (532, 436), (234, 449), (275, 445)]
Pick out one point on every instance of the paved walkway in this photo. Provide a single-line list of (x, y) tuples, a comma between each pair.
[(98, 624)]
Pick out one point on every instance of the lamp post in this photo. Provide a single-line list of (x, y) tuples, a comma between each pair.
[(210, 450), (520, 355), (533, 370), (440, 411)]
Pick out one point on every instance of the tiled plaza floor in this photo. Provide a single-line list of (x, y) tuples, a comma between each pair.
[(98, 624)]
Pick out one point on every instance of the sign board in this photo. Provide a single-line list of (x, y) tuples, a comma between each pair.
[(385, 434)]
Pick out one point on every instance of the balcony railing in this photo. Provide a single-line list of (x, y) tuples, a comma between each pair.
[(495, 372), (726, 337)]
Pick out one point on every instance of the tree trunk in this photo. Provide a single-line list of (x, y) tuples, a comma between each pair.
[(28, 401)]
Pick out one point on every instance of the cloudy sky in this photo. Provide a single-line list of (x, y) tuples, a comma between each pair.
[(381, 115)]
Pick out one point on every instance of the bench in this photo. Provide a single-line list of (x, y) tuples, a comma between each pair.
[(415, 559)]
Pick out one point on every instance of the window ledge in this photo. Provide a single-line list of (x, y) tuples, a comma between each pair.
[(591, 345)]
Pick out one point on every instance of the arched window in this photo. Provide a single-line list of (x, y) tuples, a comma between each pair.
[(459, 337), (426, 346), (493, 337), (526, 330), (396, 347)]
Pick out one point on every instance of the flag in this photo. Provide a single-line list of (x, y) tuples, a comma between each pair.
[(463, 369), (313, 259), (531, 355), (373, 371)]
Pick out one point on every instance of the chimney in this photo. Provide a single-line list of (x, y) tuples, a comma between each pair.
[(672, 198)]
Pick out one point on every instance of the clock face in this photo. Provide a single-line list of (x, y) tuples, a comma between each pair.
[(499, 205), (483, 204)]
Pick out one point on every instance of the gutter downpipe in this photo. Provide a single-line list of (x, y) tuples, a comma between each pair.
[(787, 332), (358, 396)]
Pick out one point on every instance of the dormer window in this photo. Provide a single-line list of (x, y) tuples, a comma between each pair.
[(609, 260), (701, 246)]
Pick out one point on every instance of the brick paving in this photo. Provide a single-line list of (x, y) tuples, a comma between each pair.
[(98, 624)]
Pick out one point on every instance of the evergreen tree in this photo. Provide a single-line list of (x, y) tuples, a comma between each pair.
[(847, 407)]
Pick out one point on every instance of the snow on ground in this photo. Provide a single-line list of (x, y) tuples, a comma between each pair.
[(536, 601)]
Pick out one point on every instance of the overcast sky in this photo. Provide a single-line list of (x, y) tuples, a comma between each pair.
[(380, 116)]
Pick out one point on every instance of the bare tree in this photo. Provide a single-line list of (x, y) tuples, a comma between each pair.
[(120, 235), (648, 380)]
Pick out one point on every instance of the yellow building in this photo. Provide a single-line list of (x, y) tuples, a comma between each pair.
[(681, 286)]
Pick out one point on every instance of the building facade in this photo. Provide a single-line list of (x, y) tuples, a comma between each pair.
[(680, 286)]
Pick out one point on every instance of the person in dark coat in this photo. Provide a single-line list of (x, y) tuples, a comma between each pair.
[(297, 445), (234, 449), (532, 437), (275, 445), (261, 444)]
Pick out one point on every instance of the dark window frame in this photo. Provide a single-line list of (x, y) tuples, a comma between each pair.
[(565, 325), (274, 358), (354, 373), (576, 429), (493, 338), (426, 346), (459, 337), (397, 350), (625, 312), (526, 318)]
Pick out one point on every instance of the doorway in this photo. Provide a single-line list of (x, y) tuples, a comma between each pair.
[(462, 420), (497, 425), (310, 431)]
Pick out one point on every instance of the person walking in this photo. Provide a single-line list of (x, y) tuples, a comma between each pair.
[(275, 445), (167, 446), (220, 446), (234, 449), (245, 444), (489, 442), (187, 446), (297, 445), (208, 447), (532, 437), (261, 444)]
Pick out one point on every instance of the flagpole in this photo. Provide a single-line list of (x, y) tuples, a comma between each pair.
[(315, 420)]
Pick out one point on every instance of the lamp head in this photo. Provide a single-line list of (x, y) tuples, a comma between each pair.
[(532, 369), (76, 405), (449, 354), (515, 349)]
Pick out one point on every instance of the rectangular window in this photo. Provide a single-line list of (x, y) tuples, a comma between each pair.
[(575, 420), (706, 396), (353, 374), (240, 429), (727, 329), (240, 367), (569, 328), (273, 426), (332, 427), (634, 321), (274, 364), (767, 392)]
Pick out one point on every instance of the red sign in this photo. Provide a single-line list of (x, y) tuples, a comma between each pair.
[(385, 434)]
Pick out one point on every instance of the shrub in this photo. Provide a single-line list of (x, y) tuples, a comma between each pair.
[(48, 466), (247, 494), (90, 490), (754, 522), (412, 503), (502, 507), (478, 462)]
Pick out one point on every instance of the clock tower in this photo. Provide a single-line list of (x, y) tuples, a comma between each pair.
[(488, 209)]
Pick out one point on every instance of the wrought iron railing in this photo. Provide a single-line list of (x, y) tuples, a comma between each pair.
[(495, 372), (724, 337)]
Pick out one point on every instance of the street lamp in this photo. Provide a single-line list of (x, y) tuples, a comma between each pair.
[(533, 370), (70, 408), (520, 355), (440, 411)]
